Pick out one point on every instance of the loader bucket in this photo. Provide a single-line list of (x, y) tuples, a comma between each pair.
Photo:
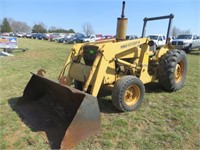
[(64, 115)]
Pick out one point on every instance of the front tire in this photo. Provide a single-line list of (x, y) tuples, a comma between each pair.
[(128, 93), (173, 70)]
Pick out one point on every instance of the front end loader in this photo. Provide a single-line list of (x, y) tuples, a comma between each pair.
[(68, 110)]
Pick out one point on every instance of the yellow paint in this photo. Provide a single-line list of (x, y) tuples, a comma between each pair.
[(134, 55)]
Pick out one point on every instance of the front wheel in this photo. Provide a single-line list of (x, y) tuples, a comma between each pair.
[(128, 93)]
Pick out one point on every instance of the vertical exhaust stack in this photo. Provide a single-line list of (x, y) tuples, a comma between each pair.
[(121, 25)]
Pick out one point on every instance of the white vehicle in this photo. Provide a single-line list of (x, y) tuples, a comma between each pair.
[(186, 42), (90, 38), (159, 40), (19, 35), (57, 38)]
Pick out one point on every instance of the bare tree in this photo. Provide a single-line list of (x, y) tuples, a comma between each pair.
[(18, 26), (176, 31), (52, 28), (186, 32), (87, 29)]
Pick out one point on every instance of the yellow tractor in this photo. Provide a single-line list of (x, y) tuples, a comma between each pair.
[(67, 111)]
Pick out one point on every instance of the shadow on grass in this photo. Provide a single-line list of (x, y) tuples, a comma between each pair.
[(39, 119), (154, 87), (105, 97), (105, 102)]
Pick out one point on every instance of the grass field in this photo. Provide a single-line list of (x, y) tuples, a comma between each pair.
[(163, 121)]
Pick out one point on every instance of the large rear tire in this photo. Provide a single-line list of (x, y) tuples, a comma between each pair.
[(128, 93), (173, 70)]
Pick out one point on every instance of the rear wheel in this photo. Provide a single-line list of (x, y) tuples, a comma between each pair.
[(173, 69), (128, 93)]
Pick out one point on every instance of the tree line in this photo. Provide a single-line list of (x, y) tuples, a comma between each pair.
[(11, 25), (176, 31)]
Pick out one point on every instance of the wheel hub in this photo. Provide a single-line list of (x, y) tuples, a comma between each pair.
[(179, 72), (132, 95)]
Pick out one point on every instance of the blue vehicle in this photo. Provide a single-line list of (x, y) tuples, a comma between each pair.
[(75, 39), (34, 35), (42, 36)]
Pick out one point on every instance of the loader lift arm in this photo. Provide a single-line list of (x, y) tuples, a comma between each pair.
[(103, 68)]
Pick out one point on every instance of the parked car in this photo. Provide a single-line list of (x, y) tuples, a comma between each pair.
[(20, 35), (186, 42), (24, 35), (5, 34), (99, 37), (43, 36), (76, 38), (61, 40), (131, 37), (28, 35), (106, 37), (12, 35), (53, 35), (90, 38), (57, 38), (64, 39), (159, 40), (34, 35)]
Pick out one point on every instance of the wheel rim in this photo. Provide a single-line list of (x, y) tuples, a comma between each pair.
[(132, 95), (179, 71)]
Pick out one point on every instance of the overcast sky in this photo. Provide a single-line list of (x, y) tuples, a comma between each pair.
[(102, 14)]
